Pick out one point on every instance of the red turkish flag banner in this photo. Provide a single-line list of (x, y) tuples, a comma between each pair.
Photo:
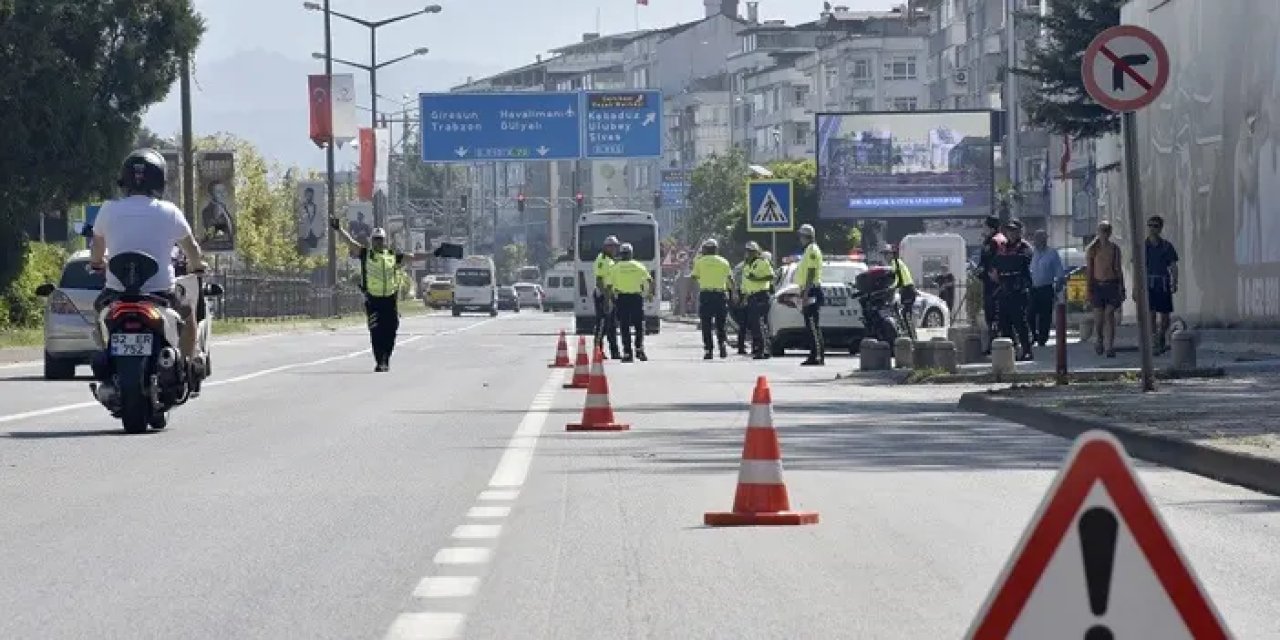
[(320, 99), (368, 162)]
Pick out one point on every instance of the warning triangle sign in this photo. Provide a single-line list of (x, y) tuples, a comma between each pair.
[(770, 211), (1097, 563)]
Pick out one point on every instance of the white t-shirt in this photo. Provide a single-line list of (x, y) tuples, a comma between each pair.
[(146, 225)]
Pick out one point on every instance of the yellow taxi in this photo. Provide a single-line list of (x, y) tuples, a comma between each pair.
[(439, 293)]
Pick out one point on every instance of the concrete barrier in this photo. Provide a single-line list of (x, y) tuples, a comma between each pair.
[(1002, 357), (874, 356), (944, 356), (971, 348), (1184, 350), (902, 353), (922, 355)]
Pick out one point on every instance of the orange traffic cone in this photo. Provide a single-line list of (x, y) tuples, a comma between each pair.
[(761, 498), (562, 354), (581, 369), (597, 413)]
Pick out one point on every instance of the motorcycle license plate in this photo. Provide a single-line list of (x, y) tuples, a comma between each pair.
[(131, 345)]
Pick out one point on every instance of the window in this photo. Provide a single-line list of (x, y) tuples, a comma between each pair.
[(832, 79), (641, 237), (904, 104), (861, 69), (862, 104), (801, 96), (77, 275), (900, 68), (473, 277), (804, 135)]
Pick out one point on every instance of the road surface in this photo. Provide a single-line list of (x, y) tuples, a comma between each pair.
[(304, 496)]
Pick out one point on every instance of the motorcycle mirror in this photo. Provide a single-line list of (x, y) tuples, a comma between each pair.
[(213, 290)]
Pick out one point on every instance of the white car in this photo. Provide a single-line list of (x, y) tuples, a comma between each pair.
[(841, 314), (528, 295), (561, 285)]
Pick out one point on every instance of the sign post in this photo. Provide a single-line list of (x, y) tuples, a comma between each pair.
[(771, 208), (1124, 69)]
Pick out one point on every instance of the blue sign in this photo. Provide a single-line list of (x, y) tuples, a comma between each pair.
[(488, 127), (622, 124), (90, 216), (770, 206), (675, 188)]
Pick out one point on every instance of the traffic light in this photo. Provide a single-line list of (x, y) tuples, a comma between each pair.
[(520, 203), (579, 200), (462, 202), (657, 200)]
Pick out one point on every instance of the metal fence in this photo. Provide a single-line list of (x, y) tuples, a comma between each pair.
[(254, 294)]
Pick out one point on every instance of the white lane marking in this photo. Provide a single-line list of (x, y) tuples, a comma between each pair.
[(477, 531), (489, 512), (463, 555), (447, 587), (21, 365), (38, 413), (504, 486), (426, 626), (498, 495)]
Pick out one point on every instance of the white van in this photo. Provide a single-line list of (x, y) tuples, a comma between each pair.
[(559, 287), (475, 286)]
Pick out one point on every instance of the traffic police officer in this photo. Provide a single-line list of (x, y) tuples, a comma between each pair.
[(380, 279), (809, 277), (606, 315), (739, 307), (630, 283), (715, 280), (757, 280)]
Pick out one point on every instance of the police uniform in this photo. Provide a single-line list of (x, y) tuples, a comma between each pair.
[(757, 280), (606, 324), (811, 290), (906, 286), (1012, 264), (715, 276), (629, 281), (380, 273), (739, 310)]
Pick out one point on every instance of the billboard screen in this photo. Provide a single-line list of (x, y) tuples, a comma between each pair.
[(905, 164)]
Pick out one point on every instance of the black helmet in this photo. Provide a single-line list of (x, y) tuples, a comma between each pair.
[(143, 172)]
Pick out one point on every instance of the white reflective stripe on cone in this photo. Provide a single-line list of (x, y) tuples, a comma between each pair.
[(598, 402), (760, 416), (760, 472)]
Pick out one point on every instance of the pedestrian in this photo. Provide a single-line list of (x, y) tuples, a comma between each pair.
[(1047, 280), (1162, 279), (1105, 287), (809, 279), (606, 324), (631, 285), (992, 242), (738, 310), (715, 280), (380, 279), (1013, 285), (905, 284), (757, 280)]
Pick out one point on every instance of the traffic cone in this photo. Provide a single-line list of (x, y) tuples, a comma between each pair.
[(761, 498), (597, 413), (582, 369), (562, 354)]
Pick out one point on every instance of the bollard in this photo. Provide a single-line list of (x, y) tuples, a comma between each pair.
[(1002, 360), (944, 357), (971, 351), (902, 353), (1184, 350), (922, 358), (874, 356), (955, 335), (1086, 329), (1060, 349)]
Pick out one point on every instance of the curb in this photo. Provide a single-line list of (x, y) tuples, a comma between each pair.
[(1241, 469), (1082, 375)]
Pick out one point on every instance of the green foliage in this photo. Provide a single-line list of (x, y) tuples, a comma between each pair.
[(1055, 98), (509, 260), (833, 236), (717, 198), (19, 305), (77, 77)]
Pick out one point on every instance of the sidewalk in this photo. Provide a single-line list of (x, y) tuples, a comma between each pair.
[(1222, 428)]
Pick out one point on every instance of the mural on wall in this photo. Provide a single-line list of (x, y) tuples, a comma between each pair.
[(1210, 160)]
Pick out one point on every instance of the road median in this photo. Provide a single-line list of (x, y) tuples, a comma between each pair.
[(1220, 428)]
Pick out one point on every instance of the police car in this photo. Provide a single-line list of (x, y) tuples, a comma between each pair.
[(841, 315)]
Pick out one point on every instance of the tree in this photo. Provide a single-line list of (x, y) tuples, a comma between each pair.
[(509, 260), (833, 236), (716, 199), (77, 77), (1058, 100)]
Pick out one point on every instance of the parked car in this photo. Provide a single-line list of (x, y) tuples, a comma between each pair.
[(508, 300), (529, 295), (70, 324)]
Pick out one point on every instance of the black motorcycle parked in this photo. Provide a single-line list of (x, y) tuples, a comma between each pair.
[(881, 309)]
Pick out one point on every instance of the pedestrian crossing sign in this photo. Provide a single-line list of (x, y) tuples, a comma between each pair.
[(770, 205)]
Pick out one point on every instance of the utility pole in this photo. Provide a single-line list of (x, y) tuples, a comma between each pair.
[(1011, 102), (188, 145), (332, 275)]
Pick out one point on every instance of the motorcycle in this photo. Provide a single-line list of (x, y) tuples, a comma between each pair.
[(146, 373), (882, 314)]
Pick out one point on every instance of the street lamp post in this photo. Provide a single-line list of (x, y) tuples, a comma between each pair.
[(332, 249)]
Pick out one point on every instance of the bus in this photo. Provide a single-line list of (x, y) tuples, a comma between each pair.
[(636, 227)]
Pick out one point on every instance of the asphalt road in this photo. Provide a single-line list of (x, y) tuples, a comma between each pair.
[(304, 496)]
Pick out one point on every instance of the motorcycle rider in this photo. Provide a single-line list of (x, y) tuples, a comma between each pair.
[(903, 282), (141, 221)]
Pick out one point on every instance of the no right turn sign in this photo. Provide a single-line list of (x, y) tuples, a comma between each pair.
[(1125, 68)]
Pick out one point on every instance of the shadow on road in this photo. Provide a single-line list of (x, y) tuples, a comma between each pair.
[(58, 435), (41, 378)]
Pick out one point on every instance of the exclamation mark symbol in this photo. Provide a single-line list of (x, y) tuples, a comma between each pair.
[(1098, 528)]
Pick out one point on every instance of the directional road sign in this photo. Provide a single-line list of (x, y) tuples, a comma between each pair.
[(488, 127), (1098, 563), (770, 205), (622, 124), (1125, 68)]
